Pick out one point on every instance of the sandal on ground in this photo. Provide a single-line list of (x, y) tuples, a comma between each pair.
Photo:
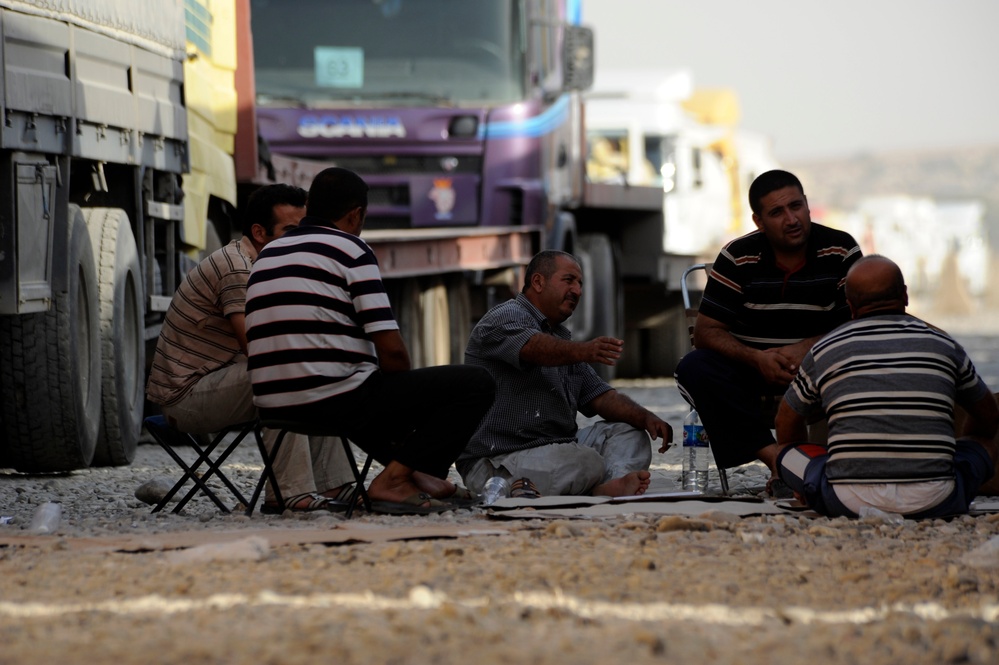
[(415, 504), (778, 489), (298, 504), (463, 497), (341, 494), (523, 488)]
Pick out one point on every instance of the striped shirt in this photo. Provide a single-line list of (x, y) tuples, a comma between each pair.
[(314, 297), (535, 406), (197, 337), (766, 306), (888, 384)]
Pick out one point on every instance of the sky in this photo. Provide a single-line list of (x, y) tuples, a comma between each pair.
[(824, 78)]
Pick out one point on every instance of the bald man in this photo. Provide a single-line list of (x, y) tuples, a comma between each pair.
[(888, 383)]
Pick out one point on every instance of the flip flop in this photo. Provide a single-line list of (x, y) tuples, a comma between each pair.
[(463, 497), (317, 502), (411, 505), (524, 489)]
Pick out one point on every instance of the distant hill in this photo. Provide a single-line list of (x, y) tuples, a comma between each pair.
[(944, 175)]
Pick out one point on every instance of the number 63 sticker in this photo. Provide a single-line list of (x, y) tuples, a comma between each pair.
[(339, 67)]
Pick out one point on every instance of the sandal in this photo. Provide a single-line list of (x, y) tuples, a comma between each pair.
[(316, 503), (415, 504), (340, 494), (524, 489), (463, 497)]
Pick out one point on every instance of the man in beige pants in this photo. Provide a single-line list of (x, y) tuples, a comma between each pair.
[(199, 377)]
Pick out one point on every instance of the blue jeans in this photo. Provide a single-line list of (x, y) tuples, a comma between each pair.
[(803, 468)]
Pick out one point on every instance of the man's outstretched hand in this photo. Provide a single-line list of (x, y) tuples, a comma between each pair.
[(606, 350)]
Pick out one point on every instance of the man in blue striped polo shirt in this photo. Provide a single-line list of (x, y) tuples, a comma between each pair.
[(770, 296), (888, 383)]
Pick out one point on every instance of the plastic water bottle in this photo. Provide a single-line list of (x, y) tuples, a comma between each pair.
[(46, 518), (695, 454), (496, 487)]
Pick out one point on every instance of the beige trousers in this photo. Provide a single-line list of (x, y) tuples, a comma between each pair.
[(225, 397)]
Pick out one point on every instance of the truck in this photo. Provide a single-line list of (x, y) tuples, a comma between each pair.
[(655, 128), (133, 133), (117, 173), (471, 124)]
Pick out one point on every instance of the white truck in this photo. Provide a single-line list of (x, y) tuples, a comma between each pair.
[(645, 130)]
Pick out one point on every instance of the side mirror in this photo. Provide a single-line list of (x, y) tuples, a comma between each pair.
[(577, 58)]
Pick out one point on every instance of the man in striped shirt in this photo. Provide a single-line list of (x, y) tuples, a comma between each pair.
[(770, 296), (888, 383), (198, 374), (325, 350)]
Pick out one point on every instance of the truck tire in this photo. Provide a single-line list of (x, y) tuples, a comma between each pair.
[(123, 347), (405, 297), (602, 286), (50, 369), (668, 342), (459, 304), (436, 324)]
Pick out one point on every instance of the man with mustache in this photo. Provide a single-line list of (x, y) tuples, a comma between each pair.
[(542, 380), (770, 296)]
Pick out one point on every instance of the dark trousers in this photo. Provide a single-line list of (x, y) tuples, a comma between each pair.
[(735, 404), (422, 418)]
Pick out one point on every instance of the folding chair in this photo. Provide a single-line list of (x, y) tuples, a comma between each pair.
[(817, 426), (171, 439), (283, 428), (691, 313)]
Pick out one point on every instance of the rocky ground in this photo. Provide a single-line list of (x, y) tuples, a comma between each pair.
[(632, 588)]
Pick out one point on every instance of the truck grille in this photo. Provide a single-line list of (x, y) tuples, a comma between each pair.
[(397, 165)]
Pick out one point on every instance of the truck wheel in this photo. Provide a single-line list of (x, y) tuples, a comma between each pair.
[(405, 298), (459, 305), (436, 324), (122, 335), (601, 277), (668, 342), (50, 369)]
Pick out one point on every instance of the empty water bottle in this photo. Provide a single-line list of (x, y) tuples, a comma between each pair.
[(695, 454), (496, 487), (46, 519)]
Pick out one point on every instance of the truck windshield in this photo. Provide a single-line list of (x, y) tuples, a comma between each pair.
[(316, 53)]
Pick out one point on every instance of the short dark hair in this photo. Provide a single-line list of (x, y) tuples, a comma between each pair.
[(260, 206), (544, 264), (335, 192), (771, 181)]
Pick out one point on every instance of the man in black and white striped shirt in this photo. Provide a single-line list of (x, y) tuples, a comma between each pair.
[(324, 348), (888, 383), (770, 295)]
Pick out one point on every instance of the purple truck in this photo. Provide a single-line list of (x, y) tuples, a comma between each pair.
[(466, 120)]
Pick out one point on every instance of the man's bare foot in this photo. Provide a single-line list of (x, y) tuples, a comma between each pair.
[(395, 484), (629, 484), (439, 488)]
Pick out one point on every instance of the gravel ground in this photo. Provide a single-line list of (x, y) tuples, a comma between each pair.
[(634, 588)]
